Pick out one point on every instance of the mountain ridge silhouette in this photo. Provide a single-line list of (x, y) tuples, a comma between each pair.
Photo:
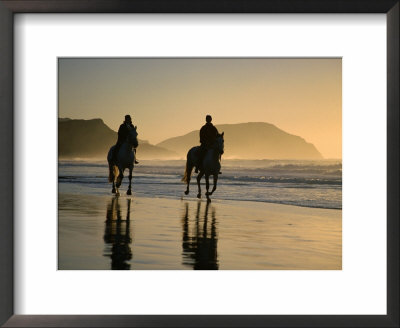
[(92, 138), (251, 140)]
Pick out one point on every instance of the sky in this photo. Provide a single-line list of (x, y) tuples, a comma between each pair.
[(171, 97)]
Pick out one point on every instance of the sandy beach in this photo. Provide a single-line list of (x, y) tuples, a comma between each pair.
[(108, 232)]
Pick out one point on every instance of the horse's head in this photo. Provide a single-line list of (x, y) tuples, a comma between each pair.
[(132, 137), (220, 143)]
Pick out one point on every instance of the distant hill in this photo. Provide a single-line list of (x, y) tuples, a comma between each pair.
[(250, 141), (93, 139)]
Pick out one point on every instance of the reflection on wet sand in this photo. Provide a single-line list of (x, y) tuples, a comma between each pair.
[(199, 244), (117, 235), (170, 234)]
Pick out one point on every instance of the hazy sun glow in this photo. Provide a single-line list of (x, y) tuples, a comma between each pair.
[(170, 97)]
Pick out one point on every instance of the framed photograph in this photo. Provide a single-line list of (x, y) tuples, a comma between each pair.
[(206, 164), (283, 175)]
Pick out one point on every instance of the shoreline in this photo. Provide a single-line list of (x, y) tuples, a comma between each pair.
[(312, 185), (193, 198)]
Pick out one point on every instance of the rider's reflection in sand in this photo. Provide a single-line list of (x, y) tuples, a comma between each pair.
[(199, 243), (117, 235)]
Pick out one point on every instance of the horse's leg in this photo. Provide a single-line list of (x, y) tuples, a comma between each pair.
[(207, 184), (215, 179), (129, 192), (120, 177), (199, 176), (189, 168), (111, 177), (187, 187)]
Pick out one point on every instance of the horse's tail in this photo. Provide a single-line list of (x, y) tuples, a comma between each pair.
[(188, 171), (112, 172)]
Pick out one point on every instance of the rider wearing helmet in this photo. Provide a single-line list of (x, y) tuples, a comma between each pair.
[(123, 133)]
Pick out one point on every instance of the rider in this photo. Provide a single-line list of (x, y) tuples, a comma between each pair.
[(123, 133), (208, 135)]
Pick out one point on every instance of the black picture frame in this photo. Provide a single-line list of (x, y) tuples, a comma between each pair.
[(10, 7)]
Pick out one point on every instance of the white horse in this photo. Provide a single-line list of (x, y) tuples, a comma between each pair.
[(211, 166), (125, 160)]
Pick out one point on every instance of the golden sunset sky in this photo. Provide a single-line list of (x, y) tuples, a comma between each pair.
[(171, 97)]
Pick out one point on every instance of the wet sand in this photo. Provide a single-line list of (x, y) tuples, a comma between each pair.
[(108, 232)]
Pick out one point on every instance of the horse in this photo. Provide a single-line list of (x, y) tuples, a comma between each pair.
[(125, 160), (210, 166)]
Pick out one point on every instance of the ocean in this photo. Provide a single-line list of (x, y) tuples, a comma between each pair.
[(315, 184)]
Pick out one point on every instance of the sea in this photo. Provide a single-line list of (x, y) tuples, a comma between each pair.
[(312, 183)]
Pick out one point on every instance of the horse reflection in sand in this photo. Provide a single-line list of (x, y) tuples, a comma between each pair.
[(200, 244), (117, 235)]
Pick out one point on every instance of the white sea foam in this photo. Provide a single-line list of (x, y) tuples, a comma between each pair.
[(301, 183)]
